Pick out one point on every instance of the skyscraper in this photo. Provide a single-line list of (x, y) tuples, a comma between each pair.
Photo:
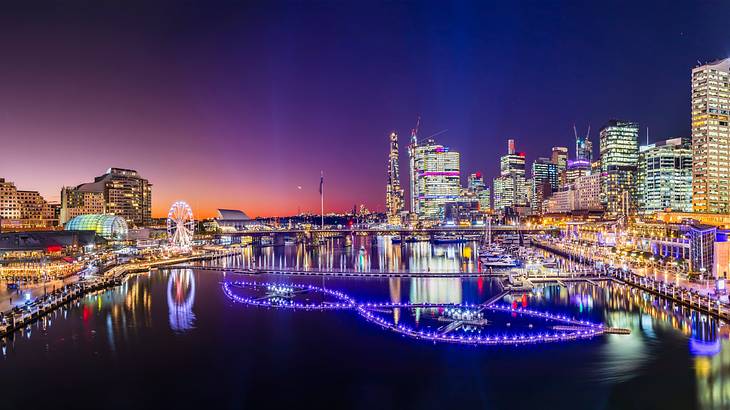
[(544, 182), (436, 180), (619, 158), (583, 146), (509, 187), (664, 178), (711, 137), (559, 157), (412, 167), (477, 187), (126, 194), (394, 192)]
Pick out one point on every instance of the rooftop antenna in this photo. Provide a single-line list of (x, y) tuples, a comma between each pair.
[(647, 135)]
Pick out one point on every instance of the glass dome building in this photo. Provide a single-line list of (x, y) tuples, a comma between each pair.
[(110, 227)]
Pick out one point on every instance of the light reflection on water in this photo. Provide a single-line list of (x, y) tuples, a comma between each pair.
[(115, 321), (364, 255), (181, 299)]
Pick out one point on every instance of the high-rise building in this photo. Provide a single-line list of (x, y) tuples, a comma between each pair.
[(76, 202), (664, 178), (394, 192), (619, 159), (588, 192), (125, 193), (583, 146), (436, 180), (711, 137), (9, 205), (544, 182), (412, 169), (23, 209), (509, 187), (581, 195), (477, 187), (577, 169), (559, 157)]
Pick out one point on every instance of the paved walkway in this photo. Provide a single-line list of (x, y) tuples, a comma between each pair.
[(10, 298), (704, 288)]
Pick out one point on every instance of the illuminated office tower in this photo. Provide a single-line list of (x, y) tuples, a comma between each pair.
[(477, 187), (583, 146), (576, 169), (544, 182), (711, 137), (619, 158), (664, 178), (394, 192), (559, 157), (436, 180), (413, 193), (509, 187)]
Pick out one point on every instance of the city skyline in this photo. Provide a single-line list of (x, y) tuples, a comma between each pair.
[(452, 204), (194, 127)]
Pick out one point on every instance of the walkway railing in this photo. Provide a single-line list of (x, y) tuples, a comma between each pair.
[(680, 294)]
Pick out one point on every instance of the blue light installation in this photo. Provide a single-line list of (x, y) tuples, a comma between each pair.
[(565, 328)]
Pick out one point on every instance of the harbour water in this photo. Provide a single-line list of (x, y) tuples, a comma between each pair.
[(171, 339)]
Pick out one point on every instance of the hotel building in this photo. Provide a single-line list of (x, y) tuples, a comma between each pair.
[(23, 209), (125, 194)]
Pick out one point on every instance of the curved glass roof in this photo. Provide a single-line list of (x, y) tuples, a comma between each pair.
[(107, 226)]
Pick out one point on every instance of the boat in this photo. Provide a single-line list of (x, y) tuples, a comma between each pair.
[(396, 239), (503, 262), (550, 263)]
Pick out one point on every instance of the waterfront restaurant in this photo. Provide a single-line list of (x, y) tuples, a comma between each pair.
[(43, 255)]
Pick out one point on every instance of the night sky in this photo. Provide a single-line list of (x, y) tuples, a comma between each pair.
[(228, 104)]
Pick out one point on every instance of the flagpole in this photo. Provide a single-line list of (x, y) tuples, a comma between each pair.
[(321, 195)]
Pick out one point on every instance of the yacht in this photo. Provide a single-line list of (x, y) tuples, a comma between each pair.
[(501, 262)]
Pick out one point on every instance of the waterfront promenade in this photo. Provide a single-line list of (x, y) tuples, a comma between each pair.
[(10, 298), (42, 301), (676, 291)]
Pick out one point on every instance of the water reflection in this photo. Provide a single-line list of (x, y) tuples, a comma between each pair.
[(713, 377), (123, 319), (364, 255), (180, 299)]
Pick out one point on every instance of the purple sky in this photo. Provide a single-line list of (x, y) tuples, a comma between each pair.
[(236, 105)]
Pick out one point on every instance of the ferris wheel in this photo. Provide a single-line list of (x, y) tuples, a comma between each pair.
[(180, 225)]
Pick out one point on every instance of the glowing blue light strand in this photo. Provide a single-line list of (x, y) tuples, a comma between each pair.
[(584, 329)]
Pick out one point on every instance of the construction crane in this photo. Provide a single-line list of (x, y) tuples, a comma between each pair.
[(414, 131)]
